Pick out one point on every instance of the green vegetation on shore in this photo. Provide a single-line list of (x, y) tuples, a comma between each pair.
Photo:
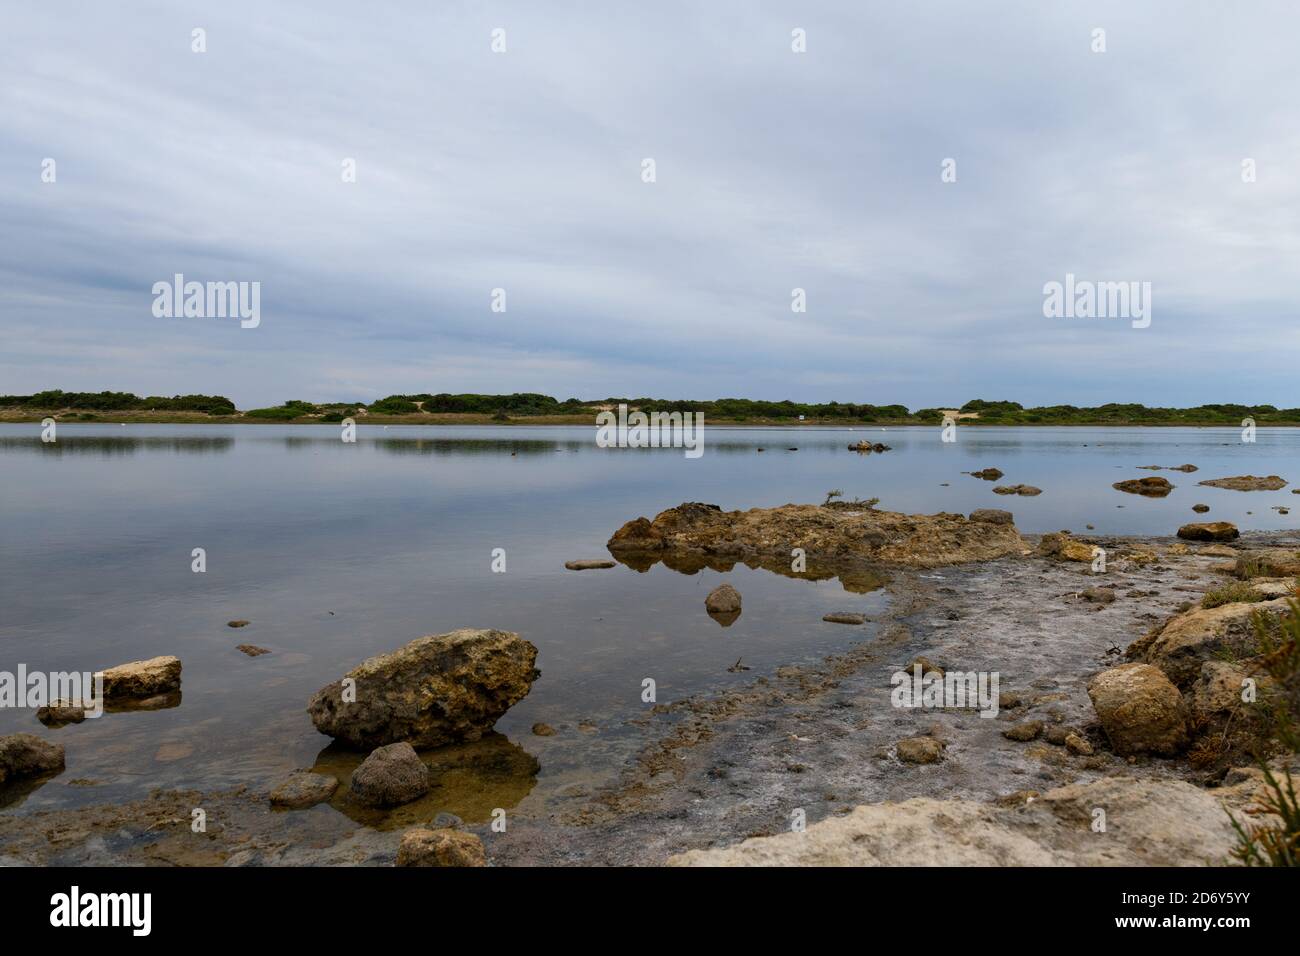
[(533, 408)]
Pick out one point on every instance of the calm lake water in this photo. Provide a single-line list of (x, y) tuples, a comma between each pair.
[(339, 551)]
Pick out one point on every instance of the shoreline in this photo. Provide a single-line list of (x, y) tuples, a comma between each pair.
[(459, 419), (720, 770)]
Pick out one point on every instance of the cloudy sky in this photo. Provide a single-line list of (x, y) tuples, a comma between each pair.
[(775, 170)]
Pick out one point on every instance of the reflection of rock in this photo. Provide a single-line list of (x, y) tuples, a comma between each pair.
[(157, 702), (1200, 509), (725, 618), (1154, 487), (701, 534), (436, 690), (303, 789), (986, 474), (26, 755), (468, 780), (443, 847), (1247, 483), (390, 776), (142, 679)]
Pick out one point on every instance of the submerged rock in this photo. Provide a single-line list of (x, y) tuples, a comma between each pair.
[(1140, 710), (303, 789), (1247, 483), (436, 690), (1099, 595), (1200, 509), (61, 712), (705, 533), (588, 565), (26, 755), (841, 617), (1209, 531), (724, 599), (140, 679), (1026, 490), (252, 650), (986, 474), (390, 776), (1152, 487), (441, 847)]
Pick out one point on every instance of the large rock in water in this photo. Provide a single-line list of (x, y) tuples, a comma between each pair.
[(1152, 487), (1140, 710), (832, 534), (1209, 531), (1247, 483), (439, 689), (141, 679), (26, 755)]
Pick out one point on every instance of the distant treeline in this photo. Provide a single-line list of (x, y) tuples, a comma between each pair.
[(533, 405), (56, 400)]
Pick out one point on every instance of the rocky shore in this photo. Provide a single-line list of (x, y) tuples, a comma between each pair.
[(1119, 690)]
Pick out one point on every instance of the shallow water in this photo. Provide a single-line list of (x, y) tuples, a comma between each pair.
[(339, 551)]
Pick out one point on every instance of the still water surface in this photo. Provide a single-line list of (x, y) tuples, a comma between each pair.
[(339, 551)]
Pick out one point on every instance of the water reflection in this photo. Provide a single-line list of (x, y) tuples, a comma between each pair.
[(470, 780), (117, 446), (854, 578)]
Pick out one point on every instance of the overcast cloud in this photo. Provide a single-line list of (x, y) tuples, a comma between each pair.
[(775, 170)]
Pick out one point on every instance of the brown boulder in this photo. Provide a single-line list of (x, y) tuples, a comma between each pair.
[(139, 679), (1140, 710), (441, 847), (698, 535), (390, 776), (1209, 531), (1247, 483), (724, 599), (1152, 487), (439, 689), (26, 755)]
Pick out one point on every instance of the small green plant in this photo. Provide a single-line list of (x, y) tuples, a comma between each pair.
[(1277, 844), (832, 495), (1236, 592)]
